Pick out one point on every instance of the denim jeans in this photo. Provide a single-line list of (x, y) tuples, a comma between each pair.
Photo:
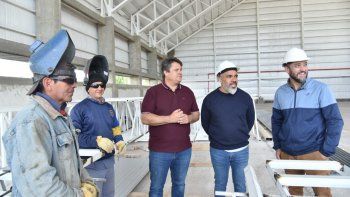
[(222, 160), (159, 164), (103, 169)]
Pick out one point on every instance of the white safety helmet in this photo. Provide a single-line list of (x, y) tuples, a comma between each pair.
[(224, 66), (295, 55)]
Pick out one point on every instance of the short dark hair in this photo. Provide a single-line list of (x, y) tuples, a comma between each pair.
[(40, 87), (166, 64)]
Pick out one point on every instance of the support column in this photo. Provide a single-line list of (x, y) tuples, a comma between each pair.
[(152, 62), (106, 47), (171, 53), (135, 54), (48, 18), (106, 44), (135, 59)]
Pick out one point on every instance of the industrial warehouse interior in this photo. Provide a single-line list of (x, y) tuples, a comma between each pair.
[(137, 36)]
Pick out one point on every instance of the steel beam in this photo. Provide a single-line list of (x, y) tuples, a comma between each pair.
[(314, 181), (107, 8), (196, 16), (155, 6), (118, 7), (254, 188), (305, 165), (284, 180)]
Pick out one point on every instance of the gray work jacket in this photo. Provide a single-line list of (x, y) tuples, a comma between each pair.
[(42, 152)]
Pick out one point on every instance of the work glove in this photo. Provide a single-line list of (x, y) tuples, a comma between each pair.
[(89, 189), (121, 147), (105, 144)]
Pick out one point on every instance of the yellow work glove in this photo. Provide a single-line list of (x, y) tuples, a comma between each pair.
[(105, 144), (89, 189), (121, 147)]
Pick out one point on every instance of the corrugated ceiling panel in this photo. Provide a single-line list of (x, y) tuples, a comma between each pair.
[(83, 32), (18, 21), (121, 51)]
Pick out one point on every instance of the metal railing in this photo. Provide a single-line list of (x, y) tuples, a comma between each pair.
[(128, 112), (282, 180), (6, 116)]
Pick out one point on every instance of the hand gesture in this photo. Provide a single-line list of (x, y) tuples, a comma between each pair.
[(176, 115)]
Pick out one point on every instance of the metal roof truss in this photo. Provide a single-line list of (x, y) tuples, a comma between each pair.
[(108, 8), (188, 21), (169, 23), (153, 13)]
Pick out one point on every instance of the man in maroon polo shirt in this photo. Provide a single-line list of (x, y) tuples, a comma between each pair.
[(169, 108)]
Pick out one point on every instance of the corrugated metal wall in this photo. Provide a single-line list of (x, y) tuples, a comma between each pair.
[(17, 21), (144, 59), (121, 51), (83, 31), (256, 35)]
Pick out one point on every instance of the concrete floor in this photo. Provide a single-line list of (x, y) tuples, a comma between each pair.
[(200, 178)]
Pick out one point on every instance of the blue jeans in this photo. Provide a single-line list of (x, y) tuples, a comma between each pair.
[(222, 160), (159, 164), (103, 169)]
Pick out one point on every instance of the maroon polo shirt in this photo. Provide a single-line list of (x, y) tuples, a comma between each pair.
[(162, 101)]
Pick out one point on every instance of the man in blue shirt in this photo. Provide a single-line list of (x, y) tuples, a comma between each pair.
[(98, 125), (227, 117), (306, 122)]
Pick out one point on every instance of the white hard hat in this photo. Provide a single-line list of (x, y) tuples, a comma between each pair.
[(224, 66), (295, 55)]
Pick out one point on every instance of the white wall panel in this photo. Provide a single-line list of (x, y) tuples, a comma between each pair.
[(144, 60), (323, 29), (326, 37), (82, 31), (128, 92), (159, 61), (17, 21), (121, 51), (235, 40)]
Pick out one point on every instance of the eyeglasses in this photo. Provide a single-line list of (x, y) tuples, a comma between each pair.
[(96, 85), (66, 79)]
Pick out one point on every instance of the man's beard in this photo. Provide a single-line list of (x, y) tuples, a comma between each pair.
[(232, 90), (296, 79)]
